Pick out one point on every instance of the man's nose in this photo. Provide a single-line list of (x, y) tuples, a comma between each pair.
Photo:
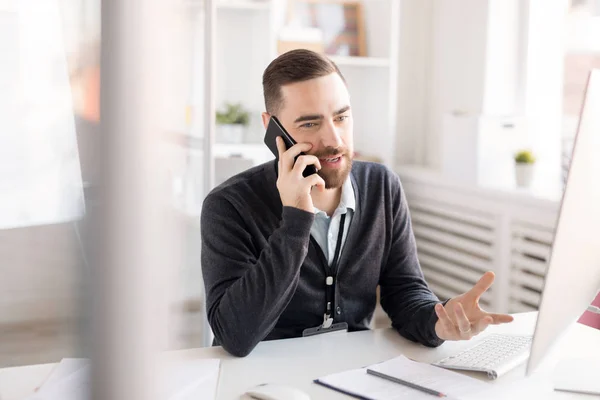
[(331, 136)]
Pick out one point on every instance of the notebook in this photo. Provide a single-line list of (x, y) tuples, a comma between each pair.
[(357, 383), (577, 375)]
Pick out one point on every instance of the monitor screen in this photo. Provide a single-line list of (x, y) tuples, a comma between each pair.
[(573, 275)]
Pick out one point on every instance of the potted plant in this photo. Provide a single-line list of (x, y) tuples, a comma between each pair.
[(231, 121), (524, 167)]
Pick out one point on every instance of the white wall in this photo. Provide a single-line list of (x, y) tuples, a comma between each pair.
[(583, 34), (458, 65), (544, 81), (470, 56), (502, 63), (414, 79), (442, 69)]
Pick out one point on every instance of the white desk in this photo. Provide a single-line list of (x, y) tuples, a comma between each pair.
[(298, 361)]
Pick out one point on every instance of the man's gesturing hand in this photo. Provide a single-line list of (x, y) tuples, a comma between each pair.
[(294, 189), (462, 318)]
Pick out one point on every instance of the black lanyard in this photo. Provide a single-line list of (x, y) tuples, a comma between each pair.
[(330, 279)]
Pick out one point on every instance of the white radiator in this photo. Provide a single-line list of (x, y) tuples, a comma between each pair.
[(455, 246), (531, 246)]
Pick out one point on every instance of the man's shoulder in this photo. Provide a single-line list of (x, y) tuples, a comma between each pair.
[(369, 173)]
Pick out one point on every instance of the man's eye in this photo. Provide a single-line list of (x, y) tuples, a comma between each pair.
[(342, 118), (308, 125)]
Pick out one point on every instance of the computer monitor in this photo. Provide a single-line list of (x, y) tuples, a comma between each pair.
[(573, 274)]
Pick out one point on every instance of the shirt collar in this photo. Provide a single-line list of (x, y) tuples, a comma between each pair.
[(347, 200)]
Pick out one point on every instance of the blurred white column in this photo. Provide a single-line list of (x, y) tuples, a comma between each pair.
[(131, 274), (209, 120)]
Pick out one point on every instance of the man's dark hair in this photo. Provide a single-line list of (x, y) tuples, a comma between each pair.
[(290, 67)]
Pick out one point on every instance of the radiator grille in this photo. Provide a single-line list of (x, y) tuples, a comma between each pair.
[(531, 246), (455, 246)]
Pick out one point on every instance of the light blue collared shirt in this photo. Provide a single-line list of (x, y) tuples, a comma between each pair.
[(325, 229)]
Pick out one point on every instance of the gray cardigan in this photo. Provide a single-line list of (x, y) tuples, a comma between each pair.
[(265, 277)]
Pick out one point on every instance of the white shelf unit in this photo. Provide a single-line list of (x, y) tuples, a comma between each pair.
[(243, 37)]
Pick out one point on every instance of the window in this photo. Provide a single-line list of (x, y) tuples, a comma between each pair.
[(582, 53), (40, 178)]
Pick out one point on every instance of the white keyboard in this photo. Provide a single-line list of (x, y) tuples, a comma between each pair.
[(495, 355)]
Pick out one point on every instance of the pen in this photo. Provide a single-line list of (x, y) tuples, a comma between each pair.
[(406, 383)]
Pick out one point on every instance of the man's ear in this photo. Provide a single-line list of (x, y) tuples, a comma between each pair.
[(265, 119)]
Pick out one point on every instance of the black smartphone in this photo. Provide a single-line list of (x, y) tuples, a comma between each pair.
[(275, 129)]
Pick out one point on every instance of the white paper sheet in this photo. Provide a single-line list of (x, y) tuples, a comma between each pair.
[(578, 375), (66, 367), (185, 380), (193, 380), (75, 386), (358, 382)]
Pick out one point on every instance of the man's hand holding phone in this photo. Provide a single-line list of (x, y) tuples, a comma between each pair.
[(294, 188)]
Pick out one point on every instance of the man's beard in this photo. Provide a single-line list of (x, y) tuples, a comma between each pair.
[(335, 177)]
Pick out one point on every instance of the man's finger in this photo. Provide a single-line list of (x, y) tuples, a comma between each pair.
[(500, 318), (295, 151), (303, 161), (463, 323), (445, 320), (280, 146), (315, 180), (482, 285), (280, 149), (288, 156), (285, 163)]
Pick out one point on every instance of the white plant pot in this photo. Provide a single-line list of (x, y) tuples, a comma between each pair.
[(524, 174), (230, 133)]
